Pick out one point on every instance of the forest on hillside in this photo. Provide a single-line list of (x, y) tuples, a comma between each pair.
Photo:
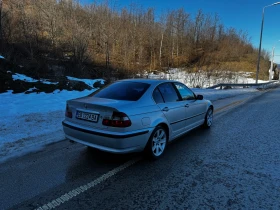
[(99, 39)]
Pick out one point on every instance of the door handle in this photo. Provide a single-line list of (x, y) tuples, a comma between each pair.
[(187, 105), (165, 109)]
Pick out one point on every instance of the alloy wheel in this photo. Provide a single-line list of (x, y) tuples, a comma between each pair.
[(209, 117), (159, 142)]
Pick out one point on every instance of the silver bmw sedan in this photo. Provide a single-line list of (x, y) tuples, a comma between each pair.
[(136, 115)]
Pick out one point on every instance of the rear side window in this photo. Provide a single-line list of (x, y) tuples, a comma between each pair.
[(128, 91), (168, 92), (157, 96)]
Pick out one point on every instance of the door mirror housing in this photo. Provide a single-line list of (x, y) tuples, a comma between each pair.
[(199, 97)]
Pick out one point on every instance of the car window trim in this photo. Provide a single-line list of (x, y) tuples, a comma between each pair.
[(177, 91)]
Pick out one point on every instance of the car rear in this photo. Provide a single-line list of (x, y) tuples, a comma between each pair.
[(111, 119)]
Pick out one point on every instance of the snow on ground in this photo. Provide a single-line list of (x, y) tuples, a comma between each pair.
[(30, 121), (216, 94), (202, 79), (25, 78), (23, 104), (89, 82), (251, 80)]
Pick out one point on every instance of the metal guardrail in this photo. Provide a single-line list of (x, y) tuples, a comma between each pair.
[(245, 85)]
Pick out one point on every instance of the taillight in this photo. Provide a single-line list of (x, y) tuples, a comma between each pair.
[(68, 112), (118, 119)]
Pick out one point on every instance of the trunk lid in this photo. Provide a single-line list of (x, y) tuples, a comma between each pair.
[(90, 111)]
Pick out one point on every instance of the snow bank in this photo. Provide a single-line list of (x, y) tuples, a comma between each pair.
[(89, 82), (25, 78), (214, 94)]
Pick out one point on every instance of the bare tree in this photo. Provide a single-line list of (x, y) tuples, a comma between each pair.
[(129, 39)]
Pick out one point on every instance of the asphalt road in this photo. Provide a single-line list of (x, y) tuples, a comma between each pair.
[(234, 165)]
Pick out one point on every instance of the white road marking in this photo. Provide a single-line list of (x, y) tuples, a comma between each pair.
[(71, 194)]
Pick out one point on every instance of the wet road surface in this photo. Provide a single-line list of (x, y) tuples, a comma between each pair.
[(234, 165)]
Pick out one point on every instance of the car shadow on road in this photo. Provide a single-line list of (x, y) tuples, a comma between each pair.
[(93, 162), (102, 157)]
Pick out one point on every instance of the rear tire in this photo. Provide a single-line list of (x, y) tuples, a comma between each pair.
[(208, 121), (157, 143)]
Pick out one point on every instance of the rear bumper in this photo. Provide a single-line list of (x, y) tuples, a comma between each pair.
[(107, 141)]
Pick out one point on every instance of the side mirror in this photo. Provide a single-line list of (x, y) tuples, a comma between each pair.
[(199, 97)]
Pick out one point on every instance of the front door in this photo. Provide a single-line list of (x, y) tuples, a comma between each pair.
[(173, 108), (195, 109)]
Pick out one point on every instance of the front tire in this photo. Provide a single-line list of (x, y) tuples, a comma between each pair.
[(208, 121), (157, 143)]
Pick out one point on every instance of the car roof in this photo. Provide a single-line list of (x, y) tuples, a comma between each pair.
[(148, 81)]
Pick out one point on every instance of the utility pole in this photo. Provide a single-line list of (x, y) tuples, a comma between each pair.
[(260, 46), (271, 65)]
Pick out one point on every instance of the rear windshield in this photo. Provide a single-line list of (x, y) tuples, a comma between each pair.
[(128, 91)]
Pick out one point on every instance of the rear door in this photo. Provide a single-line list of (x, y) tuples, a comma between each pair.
[(172, 106)]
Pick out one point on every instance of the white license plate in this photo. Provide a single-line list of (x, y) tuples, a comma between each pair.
[(87, 116)]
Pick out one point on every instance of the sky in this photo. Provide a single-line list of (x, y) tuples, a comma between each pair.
[(245, 15)]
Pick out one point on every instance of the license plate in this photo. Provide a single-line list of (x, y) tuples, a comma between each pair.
[(87, 116)]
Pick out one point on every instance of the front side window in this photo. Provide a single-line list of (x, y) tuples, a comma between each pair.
[(185, 92), (129, 91), (168, 92)]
